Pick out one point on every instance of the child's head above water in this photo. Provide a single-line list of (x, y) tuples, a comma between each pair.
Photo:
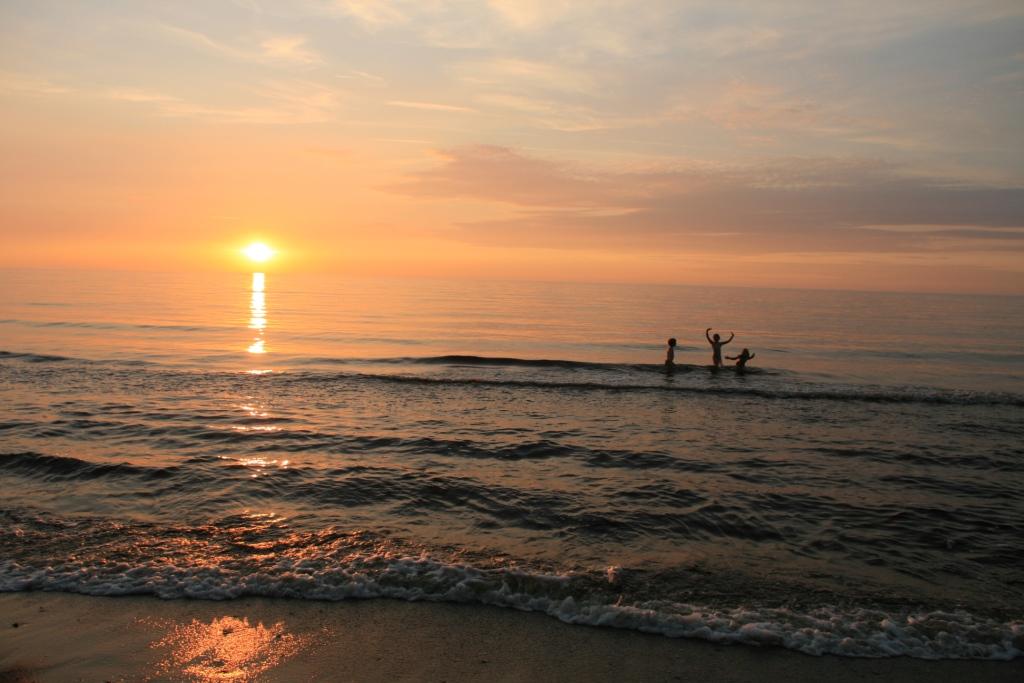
[(672, 341)]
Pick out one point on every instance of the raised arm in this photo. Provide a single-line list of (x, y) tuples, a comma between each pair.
[(731, 335), (707, 336), (751, 356)]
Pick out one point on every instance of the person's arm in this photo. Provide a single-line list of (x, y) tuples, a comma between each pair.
[(751, 356), (707, 336), (731, 335), (733, 357)]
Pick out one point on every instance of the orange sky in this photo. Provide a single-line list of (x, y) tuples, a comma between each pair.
[(771, 144)]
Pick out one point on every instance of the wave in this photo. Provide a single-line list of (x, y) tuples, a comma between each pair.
[(811, 392), (481, 361), (61, 467), (239, 443), (217, 484), (607, 377), (84, 324), (216, 563), (32, 357), (459, 360), (452, 359)]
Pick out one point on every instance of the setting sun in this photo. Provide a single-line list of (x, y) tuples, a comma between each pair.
[(258, 252)]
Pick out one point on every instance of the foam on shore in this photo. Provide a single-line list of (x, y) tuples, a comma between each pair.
[(827, 629), (61, 637)]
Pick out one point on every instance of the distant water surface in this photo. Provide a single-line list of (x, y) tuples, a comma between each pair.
[(858, 491)]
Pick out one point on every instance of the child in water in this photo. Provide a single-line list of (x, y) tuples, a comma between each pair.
[(670, 357), (716, 346), (741, 360)]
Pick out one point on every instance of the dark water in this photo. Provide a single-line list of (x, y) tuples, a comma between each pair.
[(858, 492)]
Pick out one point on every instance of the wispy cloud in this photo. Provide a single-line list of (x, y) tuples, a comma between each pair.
[(372, 12), (31, 85), (431, 106), (203, 42), (362, 76), (281, 49), (729, 41), (755, 111), (553, 114), (544, 95), (529, 14), (273, 102), (142, 96), (513, 74), (289, 49)]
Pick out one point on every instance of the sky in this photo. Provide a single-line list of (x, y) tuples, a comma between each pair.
[(826, 144)]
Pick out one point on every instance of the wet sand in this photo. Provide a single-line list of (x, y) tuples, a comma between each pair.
[(60, 637)]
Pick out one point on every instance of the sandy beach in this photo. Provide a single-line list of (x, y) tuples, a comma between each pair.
[(62, 637)]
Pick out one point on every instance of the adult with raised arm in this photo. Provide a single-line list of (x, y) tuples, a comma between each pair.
[(716, 346)]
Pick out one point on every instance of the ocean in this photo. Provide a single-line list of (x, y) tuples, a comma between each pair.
[(858, 491)]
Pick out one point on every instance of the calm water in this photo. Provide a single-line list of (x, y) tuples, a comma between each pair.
[(858, 492)]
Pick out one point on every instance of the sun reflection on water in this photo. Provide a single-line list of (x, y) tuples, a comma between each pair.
[(258, 313), (227, 649), (253, 410)]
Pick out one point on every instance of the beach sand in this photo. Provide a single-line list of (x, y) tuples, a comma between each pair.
[(63, 637)]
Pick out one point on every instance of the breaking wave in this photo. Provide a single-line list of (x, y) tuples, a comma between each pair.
[(215, 563)]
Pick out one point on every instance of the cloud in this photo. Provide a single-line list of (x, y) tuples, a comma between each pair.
[(599, 26), (30, 85), (372, 12), (718, 30), (741, 104), (728, 41), (500, 174), (273, 102), (363, 77), (791, 205), (289, 49), (203, 42), (431, 106), (556, 97), (530, 14), (142, 96), (512, 74), (278, 49)]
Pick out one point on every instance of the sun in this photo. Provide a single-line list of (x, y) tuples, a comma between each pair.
[(258, 252)]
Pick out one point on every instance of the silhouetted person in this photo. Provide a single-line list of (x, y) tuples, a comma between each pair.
[(716, 346), (670, 357), (741, 360)]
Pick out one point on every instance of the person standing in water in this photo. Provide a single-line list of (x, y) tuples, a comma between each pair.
[(741, 360), (670, 357), (716, 346)]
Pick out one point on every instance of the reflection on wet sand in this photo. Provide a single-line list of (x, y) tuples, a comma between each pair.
[(226, 649), (258, 313)]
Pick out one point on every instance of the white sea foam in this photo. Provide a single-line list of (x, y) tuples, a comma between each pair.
[(858, 632)]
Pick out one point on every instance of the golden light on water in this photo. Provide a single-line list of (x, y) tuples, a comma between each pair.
[(258, 313), (227, 649), (258, 252)]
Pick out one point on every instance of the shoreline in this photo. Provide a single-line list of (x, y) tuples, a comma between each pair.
[(63, 636)]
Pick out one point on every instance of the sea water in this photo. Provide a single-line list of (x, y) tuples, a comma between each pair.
[(858, 491)]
